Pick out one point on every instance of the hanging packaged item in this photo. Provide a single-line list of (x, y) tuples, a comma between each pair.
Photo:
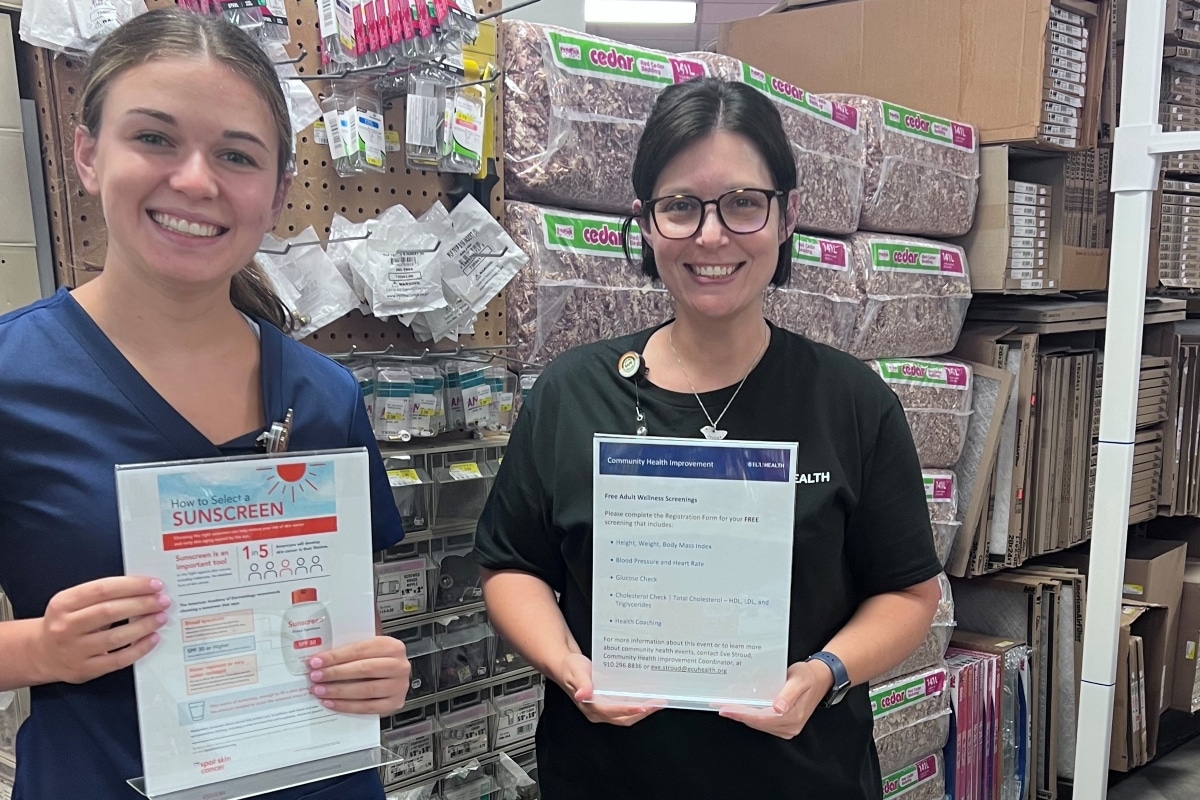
[(246, 14), (504, 386), (365, 375), (346, 249), (461, 22), (462, 146), (480, 258), (428, 402), (425, 118), (576, 287), (335, 107), (574, 109), (400, 262), (274, 22), (825, 140), (74, 27), (911, 717), (941, 495), (364, 140), (394, 404), (321, 293), (335, 19), (932, 650)]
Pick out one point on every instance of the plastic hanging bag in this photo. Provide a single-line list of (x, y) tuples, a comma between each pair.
[(425, 122), (74, 27), (324, 294), (346, 240), (246, 14), (363, 131), (462, 145), (274, 28), (481, 258), (337, 108), (403, 268)]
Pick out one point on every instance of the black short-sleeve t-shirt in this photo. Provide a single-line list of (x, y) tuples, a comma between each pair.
[(861, 529)]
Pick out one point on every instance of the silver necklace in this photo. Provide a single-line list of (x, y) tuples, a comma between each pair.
[(711, 431)]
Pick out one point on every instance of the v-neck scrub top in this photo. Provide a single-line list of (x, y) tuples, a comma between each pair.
[(861, 529), (71, 408)]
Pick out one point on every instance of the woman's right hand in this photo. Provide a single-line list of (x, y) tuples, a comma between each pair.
[(81, 636), (575, 677)]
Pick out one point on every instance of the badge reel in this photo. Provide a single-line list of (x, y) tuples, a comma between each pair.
[(276, 439), (631, 367)]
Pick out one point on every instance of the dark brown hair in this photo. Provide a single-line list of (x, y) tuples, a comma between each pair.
[(173, 33), (687, 112)]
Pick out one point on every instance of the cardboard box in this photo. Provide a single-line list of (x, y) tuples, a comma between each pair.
[(1185, 691), (980, 62), (1074, 269), (1153, 574), (1149, 623)]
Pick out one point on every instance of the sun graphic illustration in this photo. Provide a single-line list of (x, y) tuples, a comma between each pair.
[(290, 478)]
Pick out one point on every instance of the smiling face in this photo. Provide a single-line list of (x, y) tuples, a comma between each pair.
[(717, 274), (186, 166)]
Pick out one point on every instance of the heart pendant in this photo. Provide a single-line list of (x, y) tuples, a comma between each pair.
[(713, 433)]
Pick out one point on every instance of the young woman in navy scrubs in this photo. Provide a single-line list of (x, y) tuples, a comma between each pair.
[(175, 351)]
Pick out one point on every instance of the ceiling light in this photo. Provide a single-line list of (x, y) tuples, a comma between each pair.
[(640, 12)]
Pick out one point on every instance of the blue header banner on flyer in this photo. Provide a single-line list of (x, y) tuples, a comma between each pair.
[(701, 462)]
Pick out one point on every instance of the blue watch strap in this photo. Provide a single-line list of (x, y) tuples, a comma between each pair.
[(841, 678)]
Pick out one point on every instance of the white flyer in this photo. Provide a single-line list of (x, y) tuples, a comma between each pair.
[(268, 563), (692, 570)]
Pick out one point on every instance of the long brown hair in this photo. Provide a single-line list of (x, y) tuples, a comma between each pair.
[(173, 33)]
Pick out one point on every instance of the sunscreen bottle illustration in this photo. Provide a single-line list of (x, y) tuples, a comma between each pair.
[(306, 630)]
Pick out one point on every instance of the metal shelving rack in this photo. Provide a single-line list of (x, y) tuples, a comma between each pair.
[(1139, 146)]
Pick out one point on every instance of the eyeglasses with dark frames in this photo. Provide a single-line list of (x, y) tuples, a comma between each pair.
[(680, 216)]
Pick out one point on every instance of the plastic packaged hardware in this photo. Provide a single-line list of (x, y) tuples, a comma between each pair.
[(319, 294), (923, 780), (365, 375), (334, 107), (75, 27), (425, 118), (400, 262), (429, 407), (461, 21), (936, 397), (463, 144), (365, 142), (274, 22), (516, 715), (479, 258), (246, 14), (504, 387), (394, 403)]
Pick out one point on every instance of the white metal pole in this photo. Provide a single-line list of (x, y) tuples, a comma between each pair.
[(1134, 179)]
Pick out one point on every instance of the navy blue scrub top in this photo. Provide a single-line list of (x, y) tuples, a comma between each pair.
[(71, 408)]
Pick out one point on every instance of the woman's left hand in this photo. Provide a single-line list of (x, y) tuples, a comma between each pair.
[(807, 684), (367, 677)]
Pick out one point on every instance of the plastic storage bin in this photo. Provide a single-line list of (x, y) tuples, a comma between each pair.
[(412, 489)]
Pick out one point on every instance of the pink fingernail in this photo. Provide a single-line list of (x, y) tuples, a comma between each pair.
[(320, 691), (156, 584), (161, 619), (155, 638), (314, 663), (315, 676), (327, 703), (164, 600)]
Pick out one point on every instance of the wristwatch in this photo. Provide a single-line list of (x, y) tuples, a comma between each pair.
[(841, 678)]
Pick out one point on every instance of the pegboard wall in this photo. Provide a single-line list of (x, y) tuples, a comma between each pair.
[(317, 193)]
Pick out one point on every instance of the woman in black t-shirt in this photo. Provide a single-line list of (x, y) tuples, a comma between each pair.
[(716, 185)]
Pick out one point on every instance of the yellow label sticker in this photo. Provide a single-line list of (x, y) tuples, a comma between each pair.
[(1135, 589), (462, 472), (1191, 651), (403, 477)]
